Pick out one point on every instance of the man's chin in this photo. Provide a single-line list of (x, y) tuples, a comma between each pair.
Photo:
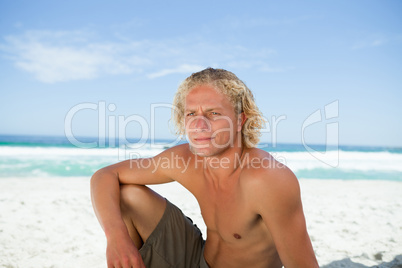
[(199, 152), (202, 154)]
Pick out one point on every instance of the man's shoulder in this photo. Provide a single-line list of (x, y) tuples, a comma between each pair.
[(263, 173), (271, 186), (181, 150), (261, 163)]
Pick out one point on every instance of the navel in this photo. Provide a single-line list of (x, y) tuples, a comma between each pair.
[(237, 236)]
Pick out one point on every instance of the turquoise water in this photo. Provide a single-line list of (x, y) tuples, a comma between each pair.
[(29, 156)]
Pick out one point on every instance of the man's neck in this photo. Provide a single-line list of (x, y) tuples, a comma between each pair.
[(222, 166)]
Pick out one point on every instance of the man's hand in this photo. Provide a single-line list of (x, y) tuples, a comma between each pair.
[(122, 253)]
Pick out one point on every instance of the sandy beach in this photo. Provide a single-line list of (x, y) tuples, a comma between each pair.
[(50, 222)]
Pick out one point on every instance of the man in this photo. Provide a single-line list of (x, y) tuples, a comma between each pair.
[(250, 202)]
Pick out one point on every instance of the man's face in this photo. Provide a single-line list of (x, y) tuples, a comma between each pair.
[(211, 122)]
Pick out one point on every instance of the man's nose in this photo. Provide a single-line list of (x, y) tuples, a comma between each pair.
[(201, 123)]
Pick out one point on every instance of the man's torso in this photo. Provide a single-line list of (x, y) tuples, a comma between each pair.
[(236, 234)]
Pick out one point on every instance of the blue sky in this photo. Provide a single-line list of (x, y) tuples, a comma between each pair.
[(296, 56)]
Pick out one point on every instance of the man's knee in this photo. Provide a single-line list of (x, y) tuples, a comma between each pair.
[(131, 194), (141, 209), (139, 197)]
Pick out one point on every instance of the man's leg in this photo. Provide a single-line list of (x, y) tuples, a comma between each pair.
[(141, 209)]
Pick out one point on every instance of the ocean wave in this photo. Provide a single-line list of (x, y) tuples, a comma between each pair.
[(344, 160), (28, 161), (43, 152)]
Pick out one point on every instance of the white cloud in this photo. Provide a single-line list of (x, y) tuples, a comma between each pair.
[(370, 41), (241, 22), (184, 68), (58, 56), (377, 40), (52, 64), (50, 59)]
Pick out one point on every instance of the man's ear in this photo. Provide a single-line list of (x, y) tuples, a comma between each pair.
[(241, 119)]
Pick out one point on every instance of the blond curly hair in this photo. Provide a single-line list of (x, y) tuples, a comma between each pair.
[(238, 93)]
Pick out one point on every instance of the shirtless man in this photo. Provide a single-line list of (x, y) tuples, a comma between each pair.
[(249, 201)]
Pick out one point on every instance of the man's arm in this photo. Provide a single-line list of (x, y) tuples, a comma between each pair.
[(105, 195), (279, 204)]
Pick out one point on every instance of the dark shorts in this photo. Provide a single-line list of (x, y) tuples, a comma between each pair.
[(176, 242)]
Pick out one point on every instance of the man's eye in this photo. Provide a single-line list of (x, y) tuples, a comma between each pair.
[(215, 113), (190, 114)]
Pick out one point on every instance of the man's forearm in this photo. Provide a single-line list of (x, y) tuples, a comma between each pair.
[(105, 195)]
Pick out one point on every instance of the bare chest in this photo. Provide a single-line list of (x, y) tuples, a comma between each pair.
[(228, 213)]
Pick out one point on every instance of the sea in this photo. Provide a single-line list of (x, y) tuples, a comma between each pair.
[(45, 156)]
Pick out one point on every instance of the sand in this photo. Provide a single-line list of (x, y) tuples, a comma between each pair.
[(49, 222)]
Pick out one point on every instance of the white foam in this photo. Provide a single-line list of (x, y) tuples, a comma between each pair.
[(359, 161), (363, 161), (45, 152)]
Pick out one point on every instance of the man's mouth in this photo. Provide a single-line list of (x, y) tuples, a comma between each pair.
[(201, 139)]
